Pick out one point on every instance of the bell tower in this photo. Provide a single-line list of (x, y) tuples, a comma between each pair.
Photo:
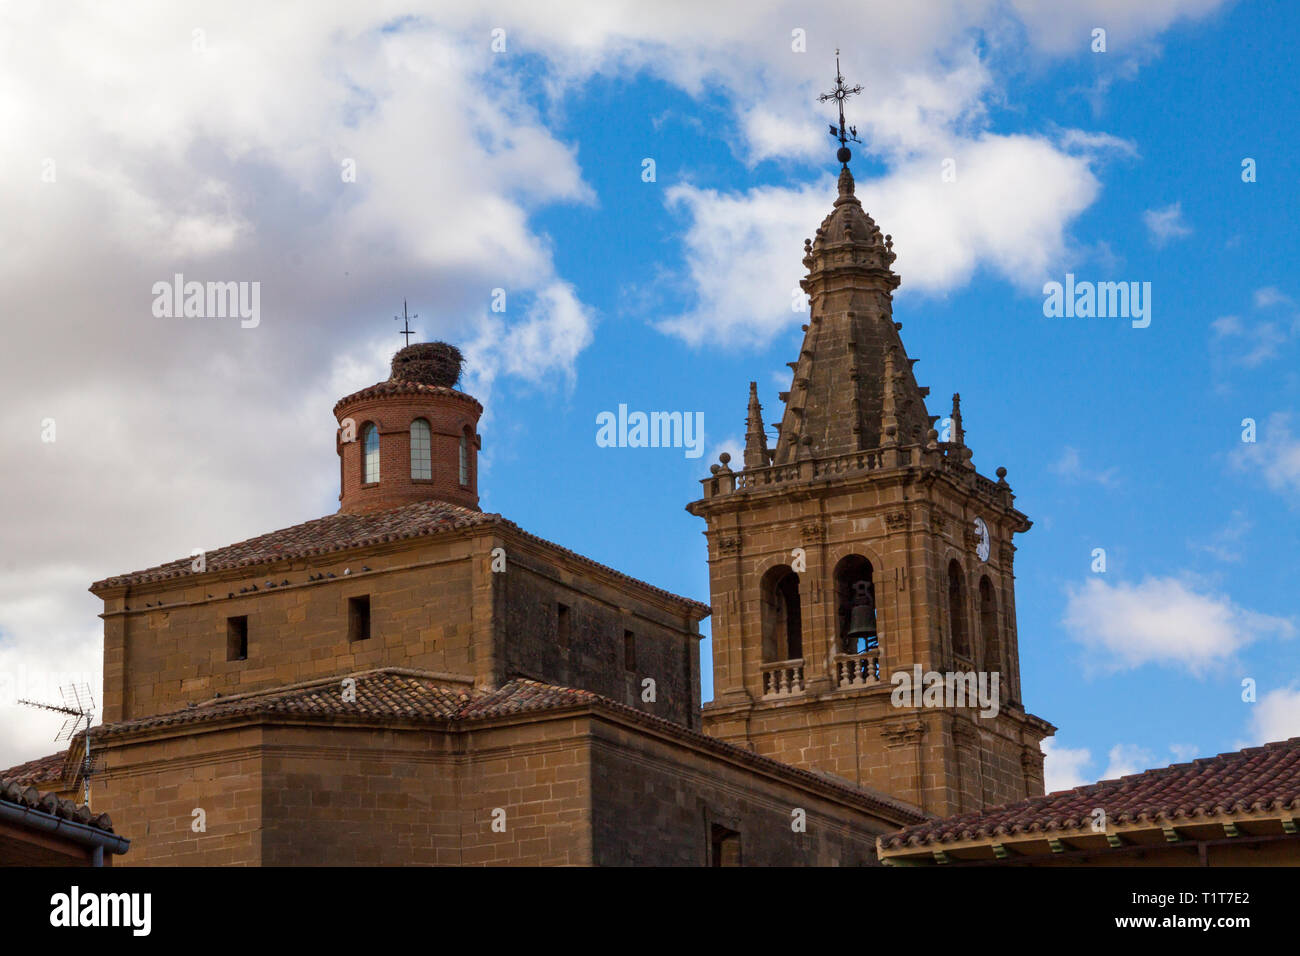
[(861, 570)]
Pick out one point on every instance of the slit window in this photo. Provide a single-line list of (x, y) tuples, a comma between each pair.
[(359, 618), (562, 625), (237, 638)]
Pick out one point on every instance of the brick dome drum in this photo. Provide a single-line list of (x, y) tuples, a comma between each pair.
[(413, 437)]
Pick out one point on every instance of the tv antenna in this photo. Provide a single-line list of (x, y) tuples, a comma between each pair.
[(78, 706)]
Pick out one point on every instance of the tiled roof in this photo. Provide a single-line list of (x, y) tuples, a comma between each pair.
[(336, 532), (342, 532), (398, 693), (391, 387), (36, 771), (1255, 780), (26, 796)]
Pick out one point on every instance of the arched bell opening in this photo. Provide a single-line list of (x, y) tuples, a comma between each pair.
[(782, 616), (855, 593)]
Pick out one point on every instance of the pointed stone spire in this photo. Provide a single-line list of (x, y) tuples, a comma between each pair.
[(756, 453), (958, 435), (836, 404)]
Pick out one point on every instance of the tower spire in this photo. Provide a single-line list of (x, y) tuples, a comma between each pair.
[(756, 453)]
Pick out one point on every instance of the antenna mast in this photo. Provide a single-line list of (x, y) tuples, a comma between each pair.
[(77, 705)]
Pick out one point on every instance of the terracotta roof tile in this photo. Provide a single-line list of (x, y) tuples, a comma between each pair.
[(397, 693), (1258, 779), (392, 387), (336, 532), (36, 771), (16, 792), (342, 532)]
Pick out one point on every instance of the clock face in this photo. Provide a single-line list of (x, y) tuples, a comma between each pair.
[(982, 533)]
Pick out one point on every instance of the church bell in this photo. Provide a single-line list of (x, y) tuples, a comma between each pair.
[(862, 617)]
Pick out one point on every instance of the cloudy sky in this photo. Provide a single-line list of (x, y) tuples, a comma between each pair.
[(349, 156)]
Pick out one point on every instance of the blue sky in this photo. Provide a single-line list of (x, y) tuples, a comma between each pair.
[(523, 169)]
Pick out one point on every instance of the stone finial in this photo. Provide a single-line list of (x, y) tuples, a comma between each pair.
[(958, 432), (756, 452), (846, 182)]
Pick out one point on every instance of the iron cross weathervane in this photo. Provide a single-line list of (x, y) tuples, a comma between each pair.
[(406, 325), (845, 134)]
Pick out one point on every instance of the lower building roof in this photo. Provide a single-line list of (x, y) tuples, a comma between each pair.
[(1255, 782), (15, 792), (405, 695)]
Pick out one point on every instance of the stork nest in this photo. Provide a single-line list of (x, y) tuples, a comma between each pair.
[(428, 363)]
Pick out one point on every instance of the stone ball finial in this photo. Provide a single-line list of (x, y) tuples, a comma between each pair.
[(1002, 472), (725, 458), (428, 363)]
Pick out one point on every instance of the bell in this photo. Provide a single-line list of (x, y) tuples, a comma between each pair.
[(862, 617)]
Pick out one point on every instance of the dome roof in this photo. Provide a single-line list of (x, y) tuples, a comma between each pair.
[(849, 225)]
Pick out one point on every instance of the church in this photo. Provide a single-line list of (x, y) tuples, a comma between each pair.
[(413, 681)]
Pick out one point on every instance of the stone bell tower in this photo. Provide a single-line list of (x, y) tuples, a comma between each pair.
[(862, 547)]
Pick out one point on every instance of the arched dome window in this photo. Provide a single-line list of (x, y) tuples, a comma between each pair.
[(369, 454), (421, 449)]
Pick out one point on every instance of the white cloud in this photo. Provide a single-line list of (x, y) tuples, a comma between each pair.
[(1274, 455), (1064, 768), (1070, 467), (1127, 759), (1101, 144), (1270, 296), (1225, 543), (1276, 715), (1183, 753), (1166, 224), (1007, 212), (1066, 28), (1161, 621)]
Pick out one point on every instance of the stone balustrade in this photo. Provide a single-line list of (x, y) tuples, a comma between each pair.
[(783, 678), (857, 670)]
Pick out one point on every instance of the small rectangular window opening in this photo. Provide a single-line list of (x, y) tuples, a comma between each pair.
[(724, 846), (359, 618), (237, 638), (562, 624)]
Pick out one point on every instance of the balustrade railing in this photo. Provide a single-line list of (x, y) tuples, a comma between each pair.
[(783, 678), (857, 670)]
